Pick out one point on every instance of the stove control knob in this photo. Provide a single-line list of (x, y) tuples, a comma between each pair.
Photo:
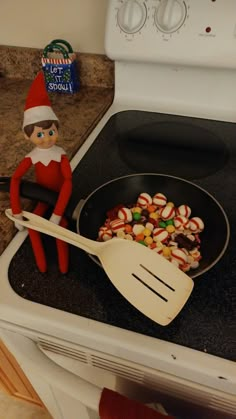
[(170, 15), (132, 16)]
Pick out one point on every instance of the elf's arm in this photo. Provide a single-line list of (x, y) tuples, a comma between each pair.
[(65, 191), (22, 168)]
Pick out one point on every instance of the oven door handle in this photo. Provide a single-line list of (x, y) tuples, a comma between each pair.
[(28, 353)]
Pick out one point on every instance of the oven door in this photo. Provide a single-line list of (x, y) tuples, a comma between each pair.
[(70, 389), (65, 394), (67, 388)]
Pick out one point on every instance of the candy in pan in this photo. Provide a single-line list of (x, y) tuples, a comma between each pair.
[(90, 214)]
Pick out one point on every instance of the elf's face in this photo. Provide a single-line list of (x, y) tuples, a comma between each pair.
[(44, 138)]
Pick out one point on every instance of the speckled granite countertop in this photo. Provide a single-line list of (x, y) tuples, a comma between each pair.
[(78, 113)]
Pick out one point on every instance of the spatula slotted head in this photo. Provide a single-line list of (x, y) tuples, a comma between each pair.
[(147, 280)]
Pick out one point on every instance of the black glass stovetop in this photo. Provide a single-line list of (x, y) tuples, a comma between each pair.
[(199, 150)]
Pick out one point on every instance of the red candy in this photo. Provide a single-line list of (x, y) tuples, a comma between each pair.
[(125, 214), (160, 234), (105, 234), (179, 255), (184, 210), (159, 199), (144, 200), (161, 226), (167, 213), (112, 214), (196, 224), (117, 225), (181, 222)]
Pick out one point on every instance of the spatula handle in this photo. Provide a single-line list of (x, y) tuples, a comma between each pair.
[(35, 222)]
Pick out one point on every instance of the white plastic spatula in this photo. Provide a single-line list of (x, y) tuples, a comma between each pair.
[(147, 280)]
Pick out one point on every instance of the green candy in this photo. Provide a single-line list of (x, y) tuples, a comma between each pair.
[(170, 222), (142, 242), (136, 216), (162, 224)]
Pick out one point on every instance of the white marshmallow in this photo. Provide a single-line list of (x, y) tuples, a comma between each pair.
[(196, 224), (167, 213), (125, 214), (179, 255), (160, 234), (181, 222), (105, 234), (144, 200), (159, 199), (184, 210), (138, 229), (117, 225)]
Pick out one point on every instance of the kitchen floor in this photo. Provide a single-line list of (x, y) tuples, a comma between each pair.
[(12, 408)]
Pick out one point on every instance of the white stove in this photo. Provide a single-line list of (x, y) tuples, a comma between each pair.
[(172, 57)]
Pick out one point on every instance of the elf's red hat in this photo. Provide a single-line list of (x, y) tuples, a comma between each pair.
[(38, 106)]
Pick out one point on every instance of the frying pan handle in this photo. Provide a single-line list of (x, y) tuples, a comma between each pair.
[(35, 222), (32, 190), (5, 183)]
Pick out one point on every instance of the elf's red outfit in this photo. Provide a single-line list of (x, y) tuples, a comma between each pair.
[(52, 169)]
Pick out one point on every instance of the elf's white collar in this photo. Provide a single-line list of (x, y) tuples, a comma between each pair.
[(45, 156)]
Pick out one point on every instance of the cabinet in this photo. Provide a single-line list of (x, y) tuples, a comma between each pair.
[(13, 380)]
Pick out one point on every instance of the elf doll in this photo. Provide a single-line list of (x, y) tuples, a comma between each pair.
[(51, 165)]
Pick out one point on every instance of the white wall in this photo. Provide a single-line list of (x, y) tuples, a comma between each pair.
[(33, 23)]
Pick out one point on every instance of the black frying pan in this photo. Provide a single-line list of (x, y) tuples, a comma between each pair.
[(125, 190)]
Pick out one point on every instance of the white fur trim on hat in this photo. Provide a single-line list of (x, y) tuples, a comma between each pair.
[(37, 114)]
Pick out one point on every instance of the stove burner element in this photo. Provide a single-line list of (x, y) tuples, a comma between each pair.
[(173, 148), (87, 292)]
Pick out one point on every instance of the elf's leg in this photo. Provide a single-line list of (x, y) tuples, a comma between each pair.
[(63, 250), (36, 240)]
